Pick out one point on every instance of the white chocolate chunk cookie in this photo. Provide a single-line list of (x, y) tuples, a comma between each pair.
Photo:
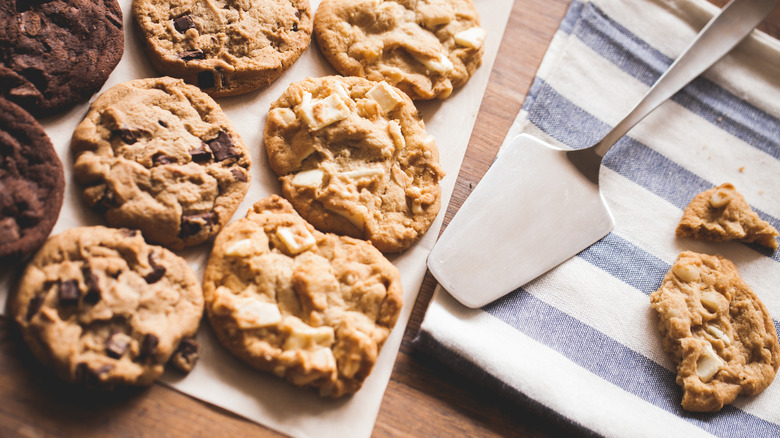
[(103, 308), (224, 47), (723, 214), (717, 330), (309, 307), (354, 159), (160, 156), (424, 47)]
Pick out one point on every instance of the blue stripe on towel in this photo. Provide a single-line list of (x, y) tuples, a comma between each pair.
[(617, 364)]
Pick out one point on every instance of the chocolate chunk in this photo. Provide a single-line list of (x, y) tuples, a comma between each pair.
[(222, 146), (295, 27), (149, 345), (69, 293), (92, 282), (194, 223), (129, 232), (157, 270), (128, 136), (238, 175), (162, 123), (192, 54), (89, 376), (117, 344), (183, 23), (206, 79), (186, 355), (160, 159), (200, 154), (35, 305)]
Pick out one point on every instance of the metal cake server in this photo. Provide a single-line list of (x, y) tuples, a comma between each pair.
[(537, 205)]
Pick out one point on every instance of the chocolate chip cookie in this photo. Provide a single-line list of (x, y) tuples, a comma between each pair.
[(717, 330), (723, 214), (159, 155), (224, 47), (354, 158), (309, 307), (31, 183), (102, 307), (54, 54), (424, 47)]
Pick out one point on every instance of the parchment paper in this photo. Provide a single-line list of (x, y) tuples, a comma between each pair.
[(219, 378)]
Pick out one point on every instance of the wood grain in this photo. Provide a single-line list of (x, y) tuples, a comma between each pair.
[(423, 398)]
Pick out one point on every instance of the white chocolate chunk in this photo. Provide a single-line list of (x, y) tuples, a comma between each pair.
[(385, 96), (398, 136), (441, 64), (708, 364), (473, 37), (341, 91), (686, 272), (363, 173), (285, 115), (240, 248), (710, 301), (252, 313), (303, 336), (320, 113), (223, 301), (718, 333), (356, 219), (323, 359), (296, 241), (722, 196), (308, 178)]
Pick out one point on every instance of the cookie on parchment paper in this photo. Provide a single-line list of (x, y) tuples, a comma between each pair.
[(354, 159), (103, 308), (224, 47), (426, 48), (721, 214), (717, 330), (32, 183), (312, 308), (159, 155), (54, 54)]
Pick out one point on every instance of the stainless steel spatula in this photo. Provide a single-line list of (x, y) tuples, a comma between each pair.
[(538, 205)]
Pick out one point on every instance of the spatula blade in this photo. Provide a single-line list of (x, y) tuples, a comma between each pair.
[(531, 211)]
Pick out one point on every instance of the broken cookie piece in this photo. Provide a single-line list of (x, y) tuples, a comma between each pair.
[(723, 214), (717, 330)]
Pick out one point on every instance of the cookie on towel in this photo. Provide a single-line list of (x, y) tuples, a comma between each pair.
[(224, 47), (717, 330), (354, 158), (159, 155), (32, 183), (424, 47), (54, 54), (309, 307), (723, 214), (103, 308)]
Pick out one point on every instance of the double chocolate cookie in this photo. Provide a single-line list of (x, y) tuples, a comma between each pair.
[(224, 47), (54, 54), (159, 155), (102, 307), (31, 183)]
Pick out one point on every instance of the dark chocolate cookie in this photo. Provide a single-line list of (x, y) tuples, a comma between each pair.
[(54, 54), (31, 182)]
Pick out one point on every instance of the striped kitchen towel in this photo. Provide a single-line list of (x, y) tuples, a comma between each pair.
[(581, 341)]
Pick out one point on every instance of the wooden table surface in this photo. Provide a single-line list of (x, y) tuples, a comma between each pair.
[(423, 398)]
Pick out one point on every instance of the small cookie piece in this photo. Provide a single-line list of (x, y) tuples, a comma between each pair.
[(354, 158), (424, 47), (312, 308), (723, 214), (32, 183), (54, 54), (103, 308), (159, 155), (717, 330), (224, 47)]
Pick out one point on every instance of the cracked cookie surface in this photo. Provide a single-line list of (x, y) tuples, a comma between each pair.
[(160, 156), (54, 54), (424, 47), (722, 214), (103, 308), (717, 330), (226, 47), (32, 183), (354, 159), (309, 307)]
